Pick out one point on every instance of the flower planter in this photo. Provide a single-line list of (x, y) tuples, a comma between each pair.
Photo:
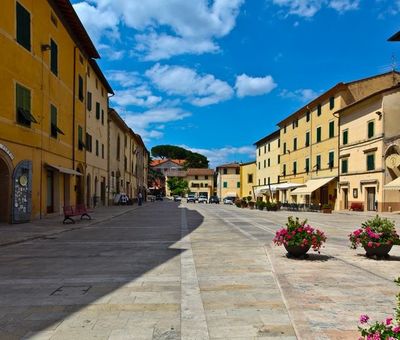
[(327, 211), (381, 251), (297, 251)]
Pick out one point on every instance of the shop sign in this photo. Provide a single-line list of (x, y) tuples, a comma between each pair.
[(7, 151)]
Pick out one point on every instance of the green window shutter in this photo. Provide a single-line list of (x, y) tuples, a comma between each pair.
[(97, 110), (371, 129), (80, 88), (23, 27), (318, 134), (279, 159), (284, 148), (238, 184), (318, 162), (295, 144), (319, 109), (371, 162), (307, 139), (89, 101), (331, 159), (225, 184), (345, 166), (53, 123), (307, 168), (331, 102), (331, 129), (345, 137), (80, 138), (294, 168), (54, 57), (23, 105), (308, 116)]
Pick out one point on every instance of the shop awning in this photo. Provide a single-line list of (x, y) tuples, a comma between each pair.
[(65, 170), (265, 189), (288, 185), (393, 185), (311, 186)]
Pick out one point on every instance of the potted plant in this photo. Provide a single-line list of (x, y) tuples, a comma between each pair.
[(243, 203), (238, 203), (327, 209), (260, 205), (298, 237), (251, 205), (377, 236)]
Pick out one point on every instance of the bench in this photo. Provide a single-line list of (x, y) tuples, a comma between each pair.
[(357, 206), (78, 210)]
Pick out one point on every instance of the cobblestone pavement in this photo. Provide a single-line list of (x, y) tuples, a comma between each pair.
[(164, 271)]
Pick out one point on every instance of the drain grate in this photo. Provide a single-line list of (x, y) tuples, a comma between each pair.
[(71, 291)]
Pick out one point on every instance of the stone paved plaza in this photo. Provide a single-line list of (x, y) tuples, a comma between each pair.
[(164, 271)]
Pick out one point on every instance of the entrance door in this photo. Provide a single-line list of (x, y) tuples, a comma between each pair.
[(50, 192), (103, 191), (346, 198), (371, 199), (5, 195), (324, 195)]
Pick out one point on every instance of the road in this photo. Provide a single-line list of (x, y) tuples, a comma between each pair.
[(169, 271)]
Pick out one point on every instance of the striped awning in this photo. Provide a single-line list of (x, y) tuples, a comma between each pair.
[(312, 185)]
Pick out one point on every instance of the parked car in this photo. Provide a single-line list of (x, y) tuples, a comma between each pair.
[(191, 199), (229, 200), (214, 199), (159, 198), (202, 199), (177, 198)]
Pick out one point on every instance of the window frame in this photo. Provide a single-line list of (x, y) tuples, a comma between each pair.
[(345, 141), (318, 135), (343, 162), (373, 158), (19, 36), (52, 57), (369, 124), (331, 129)]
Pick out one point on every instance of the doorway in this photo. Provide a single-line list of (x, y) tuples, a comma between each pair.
[(370, 199), (103, 191), (50, 192), (5, 195), (345, 198), (324, 195), (88, 190), (66, 190)]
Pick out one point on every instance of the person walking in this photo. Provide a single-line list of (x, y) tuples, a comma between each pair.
[(140, 198)]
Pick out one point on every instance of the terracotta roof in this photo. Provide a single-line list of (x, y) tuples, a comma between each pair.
[(73, 23), (156, 162), (272, 135), (206, 172), (229, 165)]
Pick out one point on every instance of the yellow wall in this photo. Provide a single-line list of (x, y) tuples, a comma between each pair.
[(248, 173), (271, 157), (201, 184), (232, 178)]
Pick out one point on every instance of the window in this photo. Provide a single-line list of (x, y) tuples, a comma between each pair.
[(238, 184), (259, 182), (118, 147), (23, 27), (265, 181), (97, 84), (102, 151), (237, 171), (308, 114), (279, 159), (294, 168), (259, 165), (225, 184), (53, 57), (265, 163), (331, 129), (284, 170), (319, 109), (97, 147), (53, 19), (307, 167), (102, 117), (307, 138), (265, 149), (225, 171), (196, 177), (284, 129), (54, 129), (294, 144), (80, 88), (318, 162), (345, 166), (331, 162), (371, 129), (331, 102), (269, 147), (81, 145), (97, 110), (250, 178), (125, 141), (125, 163), (371, 162), (319, 134), (269, 180), (284, 148), (205, 177), (279, 143), (23, 106), (345, 137), (269, 162), (89, 101), (89, 144)]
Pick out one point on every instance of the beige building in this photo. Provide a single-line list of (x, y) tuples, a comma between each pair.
[(370, 152), (268, 166), (248, 173), (309, 141), (140, 165), (96, 135), (228, 180), (200, 181)]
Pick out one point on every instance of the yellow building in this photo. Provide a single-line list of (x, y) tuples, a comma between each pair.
[(370, 152), (200, 181), (43, 63), (228, 180), (309, 140), (248, 172), (96, 135)]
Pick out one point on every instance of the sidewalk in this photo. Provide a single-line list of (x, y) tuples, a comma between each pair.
[(50, 226)]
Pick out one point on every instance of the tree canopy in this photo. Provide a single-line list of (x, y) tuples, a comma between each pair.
[(177, 186), (193, 159)]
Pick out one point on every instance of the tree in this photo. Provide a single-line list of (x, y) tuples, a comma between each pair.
[(177, 185), (193, 159)]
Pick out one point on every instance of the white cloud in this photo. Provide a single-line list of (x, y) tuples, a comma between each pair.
[(218, 156), (192, 26), (138, 96), (249, 86), (308, 8), (123, 78), (303, 95), (200, 90)]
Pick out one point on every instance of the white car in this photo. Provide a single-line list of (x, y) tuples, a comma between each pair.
[(202, 199), (229, 200)]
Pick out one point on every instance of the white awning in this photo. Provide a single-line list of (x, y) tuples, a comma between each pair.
[(312, 185), (288, 185), (64, 170), (393, 185), (231, 194)]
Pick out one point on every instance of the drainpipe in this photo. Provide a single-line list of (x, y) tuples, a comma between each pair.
[(73, 109)]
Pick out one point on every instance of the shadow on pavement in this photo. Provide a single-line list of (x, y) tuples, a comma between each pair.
[(312, 258), (44, 282)]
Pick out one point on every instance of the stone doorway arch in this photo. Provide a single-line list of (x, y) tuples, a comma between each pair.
[(5, 192)]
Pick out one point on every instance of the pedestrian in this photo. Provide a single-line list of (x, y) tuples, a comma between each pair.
[(140, 197)]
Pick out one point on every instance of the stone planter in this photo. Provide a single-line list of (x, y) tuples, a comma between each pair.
[(297, 251), (380, 252)]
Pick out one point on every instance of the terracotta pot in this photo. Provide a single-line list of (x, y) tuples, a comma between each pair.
[(381, 251), (297, 251)]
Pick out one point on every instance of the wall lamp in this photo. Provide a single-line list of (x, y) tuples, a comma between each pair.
[(45, 47), (379, 113)]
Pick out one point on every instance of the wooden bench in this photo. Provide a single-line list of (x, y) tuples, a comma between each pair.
[(357, 206), (78, 210)]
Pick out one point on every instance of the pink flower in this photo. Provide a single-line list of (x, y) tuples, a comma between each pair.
[(389, 321), (370, 244), (364, 318), (396, 329)]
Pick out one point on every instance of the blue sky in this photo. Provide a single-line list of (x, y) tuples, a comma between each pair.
[(217, 75)]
